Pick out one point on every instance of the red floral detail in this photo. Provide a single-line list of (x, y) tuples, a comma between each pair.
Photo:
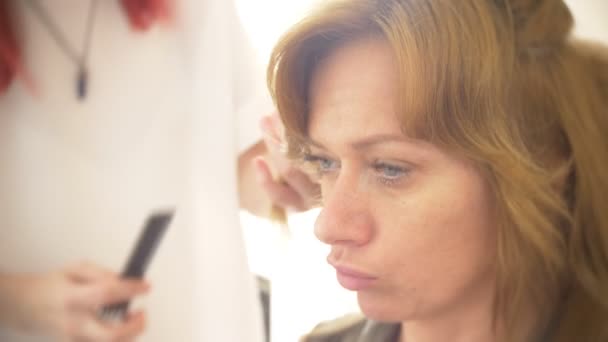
[(143, 14), (10, 55)]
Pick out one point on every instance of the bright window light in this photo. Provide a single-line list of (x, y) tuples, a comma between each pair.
[(266, 20)]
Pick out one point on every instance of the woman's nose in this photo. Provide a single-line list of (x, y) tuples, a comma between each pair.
[(345, 218)]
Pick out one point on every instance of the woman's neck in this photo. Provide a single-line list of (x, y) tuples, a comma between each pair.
[(475, 330)]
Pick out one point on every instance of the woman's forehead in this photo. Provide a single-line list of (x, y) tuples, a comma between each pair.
[(363, 68), (352, 89)]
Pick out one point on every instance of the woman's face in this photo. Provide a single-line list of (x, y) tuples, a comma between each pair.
[(410, 226)]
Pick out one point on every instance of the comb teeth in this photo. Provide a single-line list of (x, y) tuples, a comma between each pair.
[(113, 313)]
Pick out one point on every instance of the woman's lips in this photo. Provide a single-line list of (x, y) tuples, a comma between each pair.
[(353, 280)]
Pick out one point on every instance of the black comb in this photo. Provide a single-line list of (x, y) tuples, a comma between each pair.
[(148, 241)]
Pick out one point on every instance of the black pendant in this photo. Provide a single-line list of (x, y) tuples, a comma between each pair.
[(82, 84)]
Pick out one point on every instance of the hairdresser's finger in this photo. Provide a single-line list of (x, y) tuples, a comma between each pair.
[(279, 192), (93, 329), (275, 150), (303, 185), (104, 293), (86, 271), (275, 143), (268, 127)]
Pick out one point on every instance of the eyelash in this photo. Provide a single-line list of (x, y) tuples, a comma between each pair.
[(316, 161), (380, 169)]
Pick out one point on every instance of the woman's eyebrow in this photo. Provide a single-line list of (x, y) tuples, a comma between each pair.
[(310, 142), (369, 141)]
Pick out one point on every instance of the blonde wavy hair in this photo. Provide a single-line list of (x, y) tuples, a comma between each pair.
[(505, 84)]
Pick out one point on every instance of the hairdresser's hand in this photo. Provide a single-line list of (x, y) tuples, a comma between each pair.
[(65, 304), (285, 183)]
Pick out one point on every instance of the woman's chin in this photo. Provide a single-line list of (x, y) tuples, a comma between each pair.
[(382, 309)]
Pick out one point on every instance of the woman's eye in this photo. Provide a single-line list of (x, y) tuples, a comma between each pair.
[(388, 173), (327, 164), (322, 164)]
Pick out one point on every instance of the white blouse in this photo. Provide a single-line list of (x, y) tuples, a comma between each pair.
[(159, 128)]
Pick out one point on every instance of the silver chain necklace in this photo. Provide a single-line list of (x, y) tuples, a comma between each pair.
[(80, 60)]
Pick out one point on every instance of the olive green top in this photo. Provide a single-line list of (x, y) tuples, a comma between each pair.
[(354, 328)]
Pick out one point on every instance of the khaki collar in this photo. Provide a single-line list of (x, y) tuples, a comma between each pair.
[(379, 332)]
